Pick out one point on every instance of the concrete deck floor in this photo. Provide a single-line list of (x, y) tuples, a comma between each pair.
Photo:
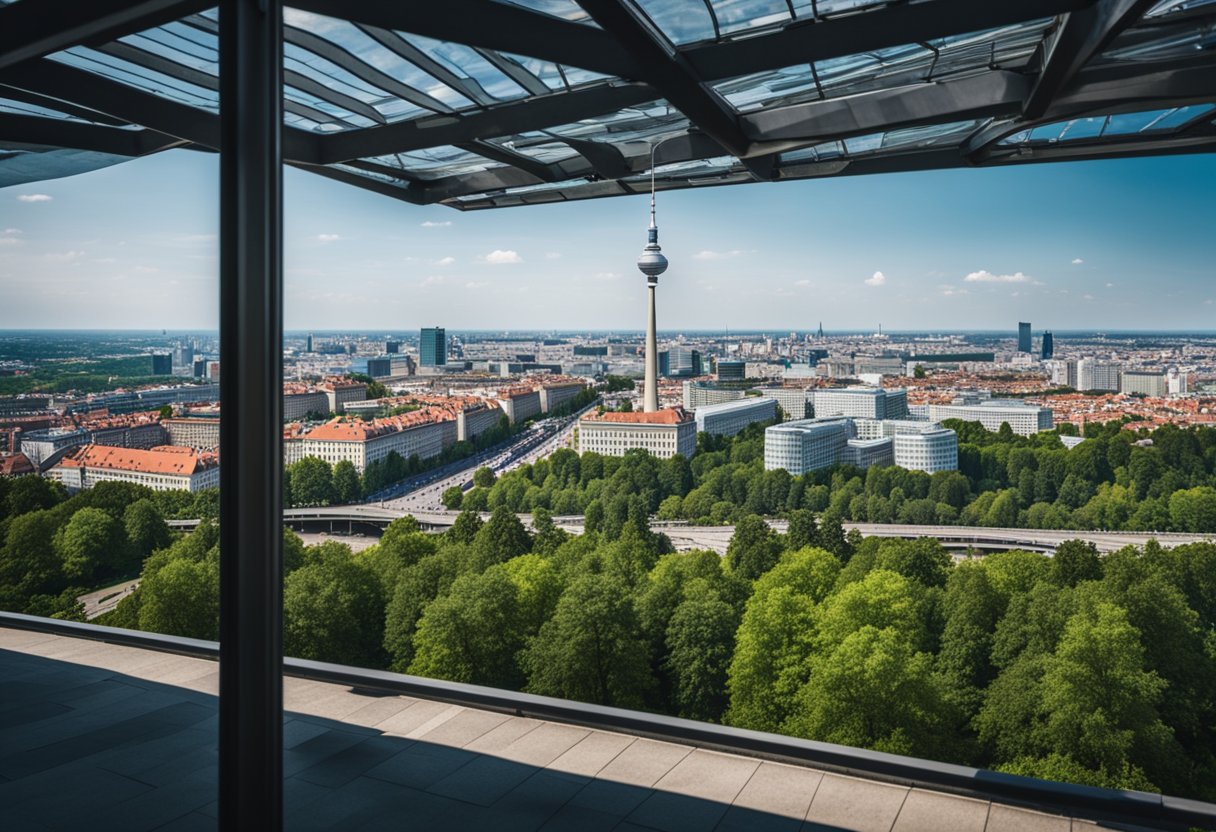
[(98, 736)]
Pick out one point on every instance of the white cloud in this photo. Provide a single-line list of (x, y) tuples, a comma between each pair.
[(436, 223), (445, 261), (9, 241), (553, 255), (11, 232), (64, 257), (1110, 285), (500, 257), (951, 291), (983, 276), (803, 282), (433, 280), (10, 237), (1088, 297), (476, 284), (717, 255), (607, 276), (879, 279), (1077, 261), (146, 269), (329, 238), (34, 197)]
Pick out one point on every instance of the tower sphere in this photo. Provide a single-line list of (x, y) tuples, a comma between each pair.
[(652, 263)]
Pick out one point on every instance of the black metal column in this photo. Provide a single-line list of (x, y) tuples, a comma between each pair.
[(251, 385)]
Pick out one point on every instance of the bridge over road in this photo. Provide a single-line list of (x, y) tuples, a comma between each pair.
[(372, 519)]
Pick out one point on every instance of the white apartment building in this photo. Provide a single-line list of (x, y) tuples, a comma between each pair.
[(338, 393), (794, 401), (664, 433), (473, 422), (861, 402), (200, 434), (806, 444), (729, 418), (520, 405), (931, 450), (553, 396), (1144, 382), (1024, 419), (1093, 374), (698, 394), (297, 405), (167, 468)]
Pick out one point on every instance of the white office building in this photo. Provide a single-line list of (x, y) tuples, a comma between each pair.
[(1144, 383), (698, 394), (866, 452), (806, 444), (729, 418), (663, 433), (794, 401), (1023, 419), (1093, 374), (861, 403), (930, 450)]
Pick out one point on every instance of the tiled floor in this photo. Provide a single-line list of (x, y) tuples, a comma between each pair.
[(96, 737)]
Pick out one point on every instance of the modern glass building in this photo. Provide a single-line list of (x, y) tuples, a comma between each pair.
[(433, 347), (1025, 340)]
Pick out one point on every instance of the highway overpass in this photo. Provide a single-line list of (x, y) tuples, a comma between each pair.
[(372, 519)]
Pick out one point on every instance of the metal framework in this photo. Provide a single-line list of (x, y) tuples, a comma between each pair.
[(491, 103)]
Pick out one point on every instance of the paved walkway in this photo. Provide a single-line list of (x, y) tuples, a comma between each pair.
[(101, 736)]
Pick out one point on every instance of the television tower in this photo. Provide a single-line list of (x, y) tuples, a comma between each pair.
[(652, 263)]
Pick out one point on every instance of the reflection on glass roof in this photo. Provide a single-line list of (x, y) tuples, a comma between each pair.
[(646, 122), (437, 162), (562, 9), (20, 164), (1166, 7), (24, 108), (1102, 127), (1007, 47), (891, 141)]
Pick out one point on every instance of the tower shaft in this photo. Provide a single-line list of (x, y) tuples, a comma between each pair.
[(650, 395)]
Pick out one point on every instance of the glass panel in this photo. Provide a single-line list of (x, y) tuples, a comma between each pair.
[(565, 9), (1161, 42), (20, 164), (743, 15), (681, 21), (437, 162), (646, 122), (142, 78), (538, 146), (466, 62), (1153, 122), (1166, 7), (22, 108)]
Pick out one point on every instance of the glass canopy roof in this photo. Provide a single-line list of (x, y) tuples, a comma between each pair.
[(487, 103)]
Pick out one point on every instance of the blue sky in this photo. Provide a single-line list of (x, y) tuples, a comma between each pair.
[(1108, 245)]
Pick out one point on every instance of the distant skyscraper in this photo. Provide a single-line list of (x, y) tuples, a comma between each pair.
[(392, 347), (433, 347), (162, 365), (1049, 346), (1025, 343), (308, 344)]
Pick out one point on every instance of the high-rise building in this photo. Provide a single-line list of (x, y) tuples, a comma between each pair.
[(1093, 374), (392, 347), (200, 368), (308, 343), (162, 365), (1049, 346), (732, 370), (679, 362), (1144, 382), (433, 347), (1025, 343), (183, 355)]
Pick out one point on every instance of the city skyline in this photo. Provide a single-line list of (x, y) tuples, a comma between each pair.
[(1065, 258)]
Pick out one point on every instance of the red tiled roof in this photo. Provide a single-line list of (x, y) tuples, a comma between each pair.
[(165, 459), (670, 416), (14, 465)]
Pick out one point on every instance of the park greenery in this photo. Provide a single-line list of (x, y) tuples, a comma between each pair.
[(1083, 668), (82, 375), (1117, 479)]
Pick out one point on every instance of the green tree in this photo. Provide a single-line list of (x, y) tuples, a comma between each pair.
[(347, 487), (753, 549), (145, 529), (472, 633), (92, 544), (26, 494), (1075, 561), (589, 650), (502, 537), (452, 498), (483, 477), (700, 642), (312, 482), (333, 611), (30, 564), (182, 598), (465, 527)]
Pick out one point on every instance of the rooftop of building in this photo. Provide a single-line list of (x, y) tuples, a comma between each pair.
[(121, 734), (746, 403), (164, 459), (16, 465), (356, 430), (667, 416)]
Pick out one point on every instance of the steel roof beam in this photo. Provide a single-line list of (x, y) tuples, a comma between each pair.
[(31, 30), (665, 69), (1081, 35), (898, 24), (54, 132), (502, 120), (134, 106), (490, 26), (991, 94)]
